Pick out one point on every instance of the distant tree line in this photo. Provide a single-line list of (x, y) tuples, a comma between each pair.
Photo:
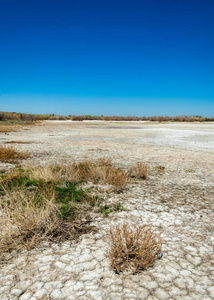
[(39, 117), (4, 116), (154, 118)]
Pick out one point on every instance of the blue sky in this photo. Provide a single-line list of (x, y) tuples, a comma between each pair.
[(152, 57)]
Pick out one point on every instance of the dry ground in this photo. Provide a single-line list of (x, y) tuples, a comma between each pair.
[(177, 201)]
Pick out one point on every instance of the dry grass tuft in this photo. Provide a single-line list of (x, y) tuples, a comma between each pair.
[(83, 171), (133, 248), (118, 179), (9, 153), (139, 171)]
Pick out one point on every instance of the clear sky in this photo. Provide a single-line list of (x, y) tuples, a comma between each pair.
[(115, 57)]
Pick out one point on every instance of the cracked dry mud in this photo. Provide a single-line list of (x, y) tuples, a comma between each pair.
[(178, 202)]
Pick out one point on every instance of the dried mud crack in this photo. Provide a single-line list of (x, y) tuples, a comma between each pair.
[(177, 200)]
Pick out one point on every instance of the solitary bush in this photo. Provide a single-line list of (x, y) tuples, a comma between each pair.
[(133, 247)]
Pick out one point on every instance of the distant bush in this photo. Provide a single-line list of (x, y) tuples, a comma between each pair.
[(3, 116)]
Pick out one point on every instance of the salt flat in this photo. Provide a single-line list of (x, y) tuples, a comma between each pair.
[(177, 201)]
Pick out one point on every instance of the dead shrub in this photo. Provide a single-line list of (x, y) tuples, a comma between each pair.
[(140, 171), (9, 153), (133, 248)]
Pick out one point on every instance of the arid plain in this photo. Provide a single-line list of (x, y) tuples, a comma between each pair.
[(177, 199)]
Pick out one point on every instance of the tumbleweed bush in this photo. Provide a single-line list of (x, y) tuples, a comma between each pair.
[(133, 247)]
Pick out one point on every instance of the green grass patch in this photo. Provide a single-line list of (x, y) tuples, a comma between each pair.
[(107, 209), (69, 198)]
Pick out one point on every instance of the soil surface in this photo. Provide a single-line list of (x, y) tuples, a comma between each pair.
[(177, 200)]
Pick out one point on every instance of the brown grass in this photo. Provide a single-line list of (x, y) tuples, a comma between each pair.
[(18, 142), (25, 225), (31, 214), (47, 202), (101, 171), (13, 127), (118, 179), (8, 128), (10, 154), (38, 204), (133, 247), (140, 171)]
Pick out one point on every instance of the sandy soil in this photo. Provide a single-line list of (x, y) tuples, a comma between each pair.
[(178, 202)]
